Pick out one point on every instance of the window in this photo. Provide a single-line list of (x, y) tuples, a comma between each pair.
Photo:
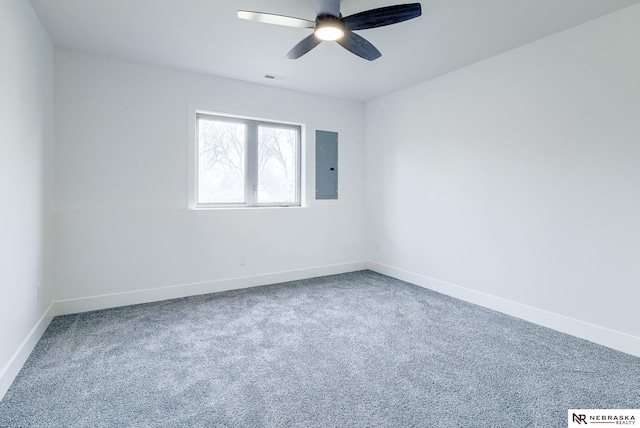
[(246, 162)]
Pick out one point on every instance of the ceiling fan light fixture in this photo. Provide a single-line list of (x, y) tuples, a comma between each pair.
[(329, 29)]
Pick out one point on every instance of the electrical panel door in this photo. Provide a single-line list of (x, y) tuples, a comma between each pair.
[(326, 165)]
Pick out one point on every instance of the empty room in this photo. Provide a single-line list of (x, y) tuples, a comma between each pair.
[(319, 213)]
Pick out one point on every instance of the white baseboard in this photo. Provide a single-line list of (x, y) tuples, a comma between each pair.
[(11, 370), (93, 303), (601, 335), (613, 339)]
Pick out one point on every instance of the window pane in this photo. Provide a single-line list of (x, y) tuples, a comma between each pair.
[(277, 164), (221, 161)]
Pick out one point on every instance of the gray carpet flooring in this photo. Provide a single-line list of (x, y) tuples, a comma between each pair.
[(352, 350)]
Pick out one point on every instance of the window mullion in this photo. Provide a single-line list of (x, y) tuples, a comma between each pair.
[(251, 186)]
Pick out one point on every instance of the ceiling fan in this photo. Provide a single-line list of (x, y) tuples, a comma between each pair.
[(331, 26)]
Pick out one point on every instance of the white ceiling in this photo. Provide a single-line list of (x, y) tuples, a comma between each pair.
[(206, 36)]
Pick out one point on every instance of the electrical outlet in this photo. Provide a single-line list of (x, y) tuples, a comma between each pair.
[(38, 292), (377, 248), (243, 260)]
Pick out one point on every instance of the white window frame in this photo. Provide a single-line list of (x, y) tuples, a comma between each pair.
[(251, 161)]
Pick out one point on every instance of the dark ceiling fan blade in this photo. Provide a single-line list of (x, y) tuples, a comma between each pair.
[(383, 16), (360, 46), (303, 47), (270, 18)]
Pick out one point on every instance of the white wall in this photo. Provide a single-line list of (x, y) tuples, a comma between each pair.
[(514, 182), (26, 184), (122, 223)]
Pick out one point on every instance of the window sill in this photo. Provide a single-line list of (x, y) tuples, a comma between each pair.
[(240, 207)]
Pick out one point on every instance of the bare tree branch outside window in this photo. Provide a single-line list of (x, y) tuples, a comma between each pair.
[(276, 162), (221, 161)]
